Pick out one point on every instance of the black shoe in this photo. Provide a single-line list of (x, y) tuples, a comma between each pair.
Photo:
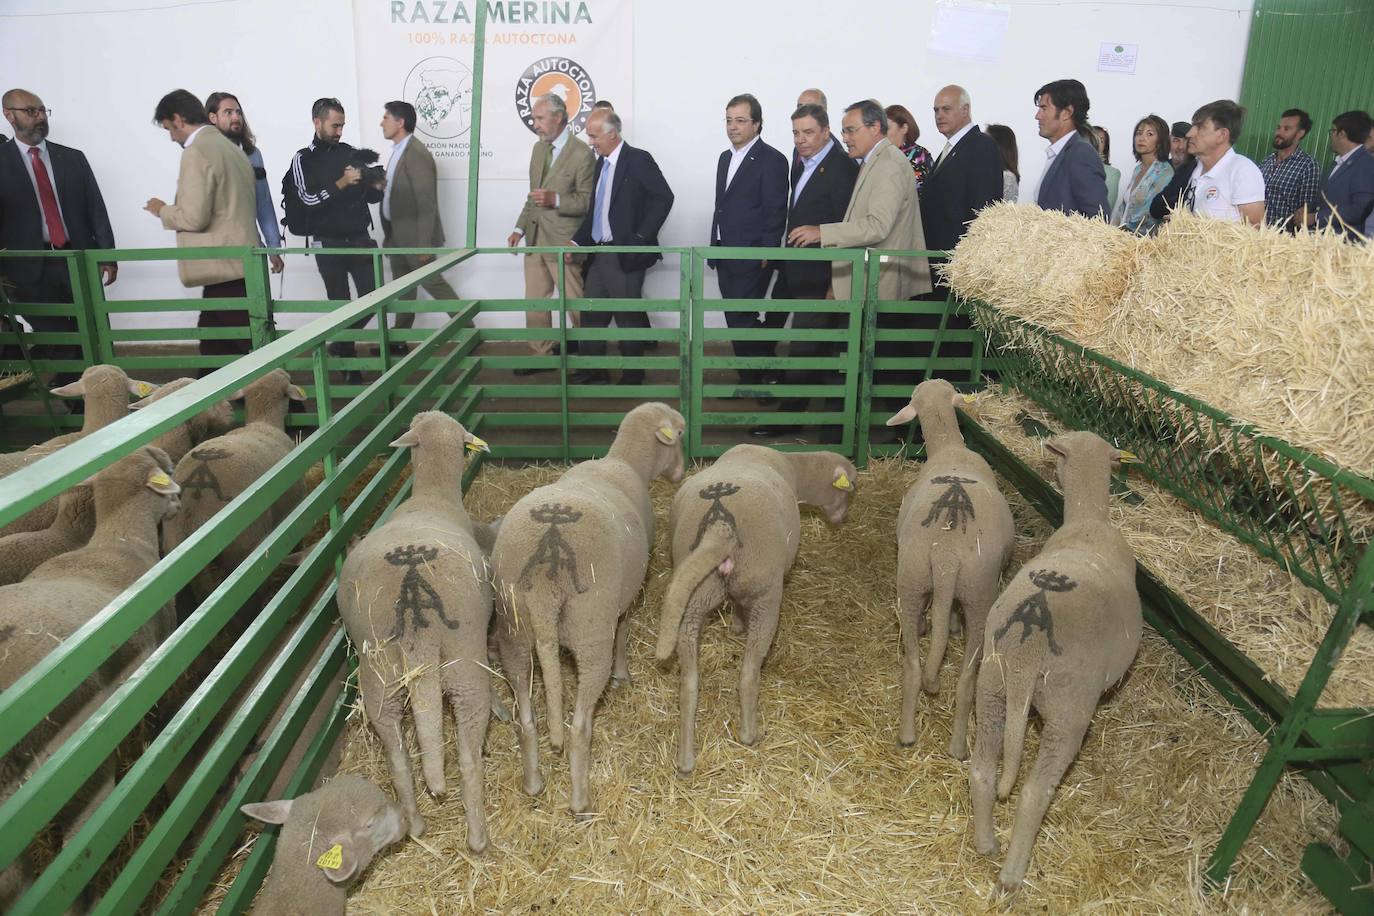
[(773, 432), (398, 349), (651, 345), (345, 349), (533, 370), (632, 377), (590, 377), (353, 377)]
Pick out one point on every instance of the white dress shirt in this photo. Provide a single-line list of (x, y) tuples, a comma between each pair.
[(953, 141), (1032, 195), (390, 172), (24, 154), (608, 176), (736, 159)]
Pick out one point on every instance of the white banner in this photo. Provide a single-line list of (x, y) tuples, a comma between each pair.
[(421, 52)]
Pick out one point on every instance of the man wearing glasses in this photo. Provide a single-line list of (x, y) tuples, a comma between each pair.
[(49, 200)]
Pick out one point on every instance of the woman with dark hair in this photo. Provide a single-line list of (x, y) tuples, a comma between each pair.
[(1152, 174), (1011, 175), (903, 133), (1104, 149)]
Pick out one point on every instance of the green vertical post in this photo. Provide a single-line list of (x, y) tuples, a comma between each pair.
[(686, 306), (95, 308), (479, 39), (695, 373), (562, 355), (259, 309), (869, 303), (80, 266), (324, 411)]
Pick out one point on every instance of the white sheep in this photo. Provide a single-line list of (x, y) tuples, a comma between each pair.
[(215, 420), (954, 537), (569, 560), (328, 838), (415, 595), (1065, 629), (24, 551), (736, 530), (131, 497)]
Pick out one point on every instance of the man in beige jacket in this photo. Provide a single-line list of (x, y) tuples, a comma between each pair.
[(883, 210), (215, 206), (561, 171)]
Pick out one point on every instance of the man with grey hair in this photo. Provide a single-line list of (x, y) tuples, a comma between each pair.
[(561, 171), (812, 97), (967, 175)]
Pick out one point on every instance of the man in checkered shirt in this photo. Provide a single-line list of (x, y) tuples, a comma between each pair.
[(1291, 177)]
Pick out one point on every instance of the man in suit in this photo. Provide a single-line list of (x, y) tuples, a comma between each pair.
[(215, 206), (561, 170), (49, 199), (750, 212), (1347, 198), (822, 182), (410, 208), (1074, 180), (630, 202), (967, 175)]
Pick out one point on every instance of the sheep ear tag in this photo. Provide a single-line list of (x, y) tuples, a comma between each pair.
[(842, 482), (143, 389), (159, 482), (477, 444), (1126, 457), (331, 857), (667, 435)]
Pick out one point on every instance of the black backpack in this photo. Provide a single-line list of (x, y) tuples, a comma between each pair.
[(296, 215)]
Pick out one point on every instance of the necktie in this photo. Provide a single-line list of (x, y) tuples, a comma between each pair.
[(57, 235), (548, 164), (939, 160), (599, 216)]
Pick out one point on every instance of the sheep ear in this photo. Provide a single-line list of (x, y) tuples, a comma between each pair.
[(142, 389), (269, 812), (409, 439), (338, 862), (666, 434), (295, 392), (1056, 450), (475, 443), (238, 395), (905, 415), (160, 483), (140, 404), (965, 400), (74, 389), (841, 480), (1126, 457)]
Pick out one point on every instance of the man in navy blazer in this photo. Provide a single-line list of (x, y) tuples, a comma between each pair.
[(630, 202), (74, 217), (967, 175), (1074, 180), (1347, 196), (750, 212)]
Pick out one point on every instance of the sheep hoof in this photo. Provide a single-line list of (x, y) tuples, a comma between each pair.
[(535, 786), (906, 742), (584, 817), (1007, 885), (958, 751), (685, 772), (477, 845), (618, 681), (417, 825), (986, 848), (931, 685)]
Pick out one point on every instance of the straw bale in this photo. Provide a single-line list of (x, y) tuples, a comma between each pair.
[(1061, 272), (827, 814)]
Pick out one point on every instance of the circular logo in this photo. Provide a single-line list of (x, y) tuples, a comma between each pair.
[(558, 76), (440, 88)]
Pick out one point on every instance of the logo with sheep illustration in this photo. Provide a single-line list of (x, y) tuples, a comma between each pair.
[(553, 551), (417, 595), (954, 503), (1033, 613), (717, 511), (203, 477)]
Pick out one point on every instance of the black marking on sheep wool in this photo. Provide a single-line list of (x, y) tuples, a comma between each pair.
[(417, 595), (1033, 613), (6, 632), (203, 477), (553, 550), (954, 503), (717, 511)]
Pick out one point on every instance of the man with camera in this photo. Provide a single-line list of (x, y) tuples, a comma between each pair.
[(326, 194)]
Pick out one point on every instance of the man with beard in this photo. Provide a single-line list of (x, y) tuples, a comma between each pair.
[(225, 112), (1291, 177), (49, 200)]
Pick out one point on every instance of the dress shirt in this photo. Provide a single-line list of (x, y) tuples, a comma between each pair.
[(24, 154), (954, 141), (391, 171), (1340, 161), (607, 164), (192, 139), (1054, 149), (736, 158), (808, 167)]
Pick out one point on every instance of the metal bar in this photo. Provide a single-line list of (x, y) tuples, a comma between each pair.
[(479, 40)]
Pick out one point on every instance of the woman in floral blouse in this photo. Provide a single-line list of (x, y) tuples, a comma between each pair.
[(903, 133), (1152, 174)]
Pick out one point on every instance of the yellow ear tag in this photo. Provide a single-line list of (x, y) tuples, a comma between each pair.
[(970, 398), (1128, 457), (331, 858), (668, 433), (144, 389), (478, 445), (842, 482), (160, 479)]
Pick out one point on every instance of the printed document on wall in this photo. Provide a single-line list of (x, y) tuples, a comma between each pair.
[(969, 30)]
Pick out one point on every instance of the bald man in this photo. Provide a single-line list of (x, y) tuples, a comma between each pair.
[(966, 176)]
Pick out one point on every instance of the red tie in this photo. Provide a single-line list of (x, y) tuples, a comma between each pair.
[(56, 234)]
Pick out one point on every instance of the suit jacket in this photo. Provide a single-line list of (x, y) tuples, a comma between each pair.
[(966, 180), (883, 213), (216, 205), (571, 177), (752, 211), (1168, 199), (1075, 182), (639, 203), (1349, 194), (824, 199), (414, 183), (21, 217)]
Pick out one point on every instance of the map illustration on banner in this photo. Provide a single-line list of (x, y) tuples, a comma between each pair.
[(422, 53)]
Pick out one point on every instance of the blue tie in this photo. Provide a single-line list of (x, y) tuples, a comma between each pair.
[(599, 211)]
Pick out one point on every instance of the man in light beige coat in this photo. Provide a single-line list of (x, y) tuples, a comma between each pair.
[(883, 210), (561, 171), (215, 206)]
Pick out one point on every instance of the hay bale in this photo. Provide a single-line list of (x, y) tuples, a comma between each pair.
[(1060, 272)]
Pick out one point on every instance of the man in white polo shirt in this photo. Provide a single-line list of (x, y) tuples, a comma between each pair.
[(1225, 185)]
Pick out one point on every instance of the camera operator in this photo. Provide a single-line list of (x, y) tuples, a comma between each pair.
[(334, 184)]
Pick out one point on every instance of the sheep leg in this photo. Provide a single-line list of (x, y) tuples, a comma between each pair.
[(385, 715), (470, 704), (620, 670), (910, 611), (427, 705), (738, 622), (763, 625), (517, 664), (941, 609), (1059, 745), (992, 716), (963, 700), (593, 672)]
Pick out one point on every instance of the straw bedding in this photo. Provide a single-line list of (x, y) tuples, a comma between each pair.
[(827, 814)]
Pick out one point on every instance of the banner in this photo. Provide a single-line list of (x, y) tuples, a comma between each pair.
[(421, 52)]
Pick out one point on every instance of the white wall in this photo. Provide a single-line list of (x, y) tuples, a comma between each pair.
[(103, 73)]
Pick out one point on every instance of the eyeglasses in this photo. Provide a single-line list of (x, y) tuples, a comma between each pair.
[(848, 131), (34, 112)]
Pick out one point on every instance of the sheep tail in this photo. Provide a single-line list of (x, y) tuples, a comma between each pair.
[(714, 554), (1020, 676)]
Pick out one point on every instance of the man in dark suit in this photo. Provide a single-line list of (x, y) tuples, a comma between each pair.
[(822, 182), (630, 201), (967, 175), (750, 211), (49, 199), (1074, 180), (1347, 196)]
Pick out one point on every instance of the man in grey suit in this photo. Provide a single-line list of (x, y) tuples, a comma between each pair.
[(410, 208), (1074, 180), (1347, 198)]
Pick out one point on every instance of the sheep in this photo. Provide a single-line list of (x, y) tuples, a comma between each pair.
[(106, 391), (954, 537), (569, 559), (736, 530), (131, 497), (215, 420), (328, 838), (415, 596), (24, 551), (1065, 629), (213, 473)]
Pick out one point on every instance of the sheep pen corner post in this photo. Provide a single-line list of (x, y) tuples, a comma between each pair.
[(475, 144)]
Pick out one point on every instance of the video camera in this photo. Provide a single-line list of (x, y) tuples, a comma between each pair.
[(365, 161)]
